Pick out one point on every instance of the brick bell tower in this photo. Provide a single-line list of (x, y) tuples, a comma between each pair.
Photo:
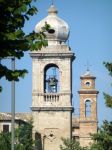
[(52, 85), (88, 108)]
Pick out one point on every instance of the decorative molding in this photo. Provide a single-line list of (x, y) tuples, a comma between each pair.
[(87, 77), (88, 92), (52, 108), (88, 121), (52, 55), (90, 99), (45, 94)]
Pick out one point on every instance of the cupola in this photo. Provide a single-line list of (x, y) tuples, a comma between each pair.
[(59, 31)]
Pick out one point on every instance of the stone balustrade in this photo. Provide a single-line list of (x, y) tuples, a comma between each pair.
[(51, 97)]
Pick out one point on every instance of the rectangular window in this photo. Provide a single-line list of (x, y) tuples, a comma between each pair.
[(5, 128), (77, 138)]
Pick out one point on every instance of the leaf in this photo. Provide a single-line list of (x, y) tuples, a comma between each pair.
[(20, 9), (13, 40), (108, 65), (32, 11), (108, 100), (26, 17)]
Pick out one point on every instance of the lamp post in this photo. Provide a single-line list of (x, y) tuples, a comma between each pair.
[(12, 103), (13, 107)]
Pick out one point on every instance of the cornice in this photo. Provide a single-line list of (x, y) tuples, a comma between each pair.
[(88, 92), (52, 108), (52, 55)]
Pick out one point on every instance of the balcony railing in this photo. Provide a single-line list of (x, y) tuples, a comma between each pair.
[(54, 98), (51, 97)]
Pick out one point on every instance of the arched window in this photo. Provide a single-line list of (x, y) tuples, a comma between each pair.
[(87, 108), (51, 79)]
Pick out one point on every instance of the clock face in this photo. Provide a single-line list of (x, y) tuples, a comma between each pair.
[(87, 83)]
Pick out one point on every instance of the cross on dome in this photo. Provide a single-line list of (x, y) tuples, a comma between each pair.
[(88, 66), (87, 73), (52, 2)]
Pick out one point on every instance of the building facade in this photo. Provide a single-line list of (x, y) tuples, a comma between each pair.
[(52, 84), (87, 122), (52, 110)]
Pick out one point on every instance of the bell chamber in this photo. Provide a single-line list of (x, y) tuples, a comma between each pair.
[(51, 79)]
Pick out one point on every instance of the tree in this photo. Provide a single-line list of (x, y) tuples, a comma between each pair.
[(71, 144), (103, 139), (23, 138), (108, 98), (13, 40), (5, 141)]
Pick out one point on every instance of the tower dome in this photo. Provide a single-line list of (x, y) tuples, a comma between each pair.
[(59, 31)]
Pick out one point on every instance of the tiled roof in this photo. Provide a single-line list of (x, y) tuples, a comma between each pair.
[(28, 116), (5, 116), (24, 116), (18, 116)]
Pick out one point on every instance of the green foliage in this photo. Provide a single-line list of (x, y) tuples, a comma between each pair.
[(13, 40), (108, 65), (23, 138), (71, 144), (5, 141), (108, 98), (11, 75), (103, 139)]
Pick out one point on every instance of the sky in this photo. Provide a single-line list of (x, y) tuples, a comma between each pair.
[(90, 23)]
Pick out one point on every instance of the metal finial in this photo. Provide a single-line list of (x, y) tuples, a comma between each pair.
[(52, 2), (88, 66)]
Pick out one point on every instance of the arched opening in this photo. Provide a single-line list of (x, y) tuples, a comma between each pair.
[(87, 108), (51, 79)]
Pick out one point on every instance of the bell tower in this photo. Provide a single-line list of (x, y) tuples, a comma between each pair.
[(52, 85), (88, 108)]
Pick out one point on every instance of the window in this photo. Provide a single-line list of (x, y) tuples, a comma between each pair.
[(5, 128), (75, 138), (51, 31), (87, 83), (87, 108)]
